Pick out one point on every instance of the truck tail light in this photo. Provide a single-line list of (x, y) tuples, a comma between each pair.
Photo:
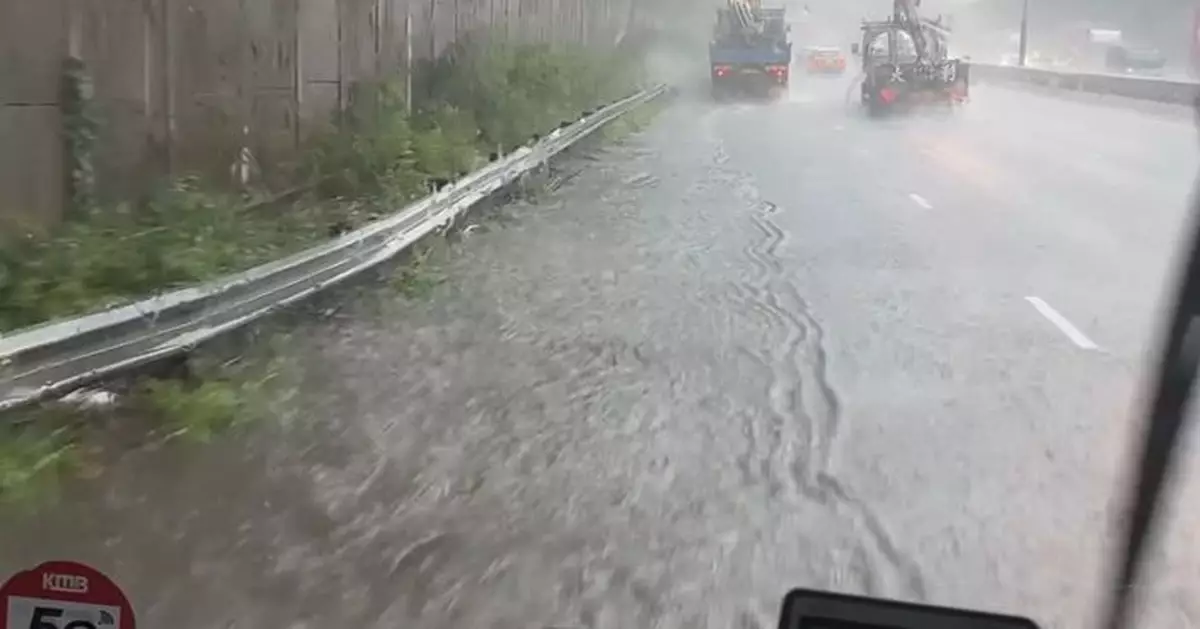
[(721, 70)]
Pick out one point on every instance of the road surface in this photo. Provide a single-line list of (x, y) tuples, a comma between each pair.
[(757, 346)]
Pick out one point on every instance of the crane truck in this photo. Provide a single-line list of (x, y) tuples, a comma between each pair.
[(906, 62), (749, 52)]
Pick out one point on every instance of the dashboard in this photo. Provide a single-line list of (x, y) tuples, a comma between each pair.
[(814, 609)]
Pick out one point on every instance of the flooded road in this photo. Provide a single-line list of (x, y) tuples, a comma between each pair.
[(752, 348)]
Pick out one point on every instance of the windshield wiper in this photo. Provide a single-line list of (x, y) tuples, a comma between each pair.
[(1177, 368)]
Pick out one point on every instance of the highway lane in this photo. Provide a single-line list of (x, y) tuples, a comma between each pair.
[(755, 347), (1116, 180), (1077, 206)]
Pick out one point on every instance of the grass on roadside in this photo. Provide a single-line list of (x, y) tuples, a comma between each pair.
[(418, 278), (33, 459), (42, 446), (634, 121)]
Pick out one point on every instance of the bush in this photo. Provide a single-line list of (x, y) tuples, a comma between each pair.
[(369, 152), (447, 143), (517, 91)]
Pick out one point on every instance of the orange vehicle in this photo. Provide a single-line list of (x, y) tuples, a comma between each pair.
[(825, 60)]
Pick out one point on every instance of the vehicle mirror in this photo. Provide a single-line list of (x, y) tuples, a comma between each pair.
[(854, 49), (811, 609)]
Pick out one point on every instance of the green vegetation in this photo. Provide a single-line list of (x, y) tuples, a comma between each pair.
[(214, 398), (514, 92), (634, 121), (482, 96), (32, 460), (40, 446), (418, 278), (182, 234)]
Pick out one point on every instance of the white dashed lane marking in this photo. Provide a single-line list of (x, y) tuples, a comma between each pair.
[(921, 201), (1061, 322)]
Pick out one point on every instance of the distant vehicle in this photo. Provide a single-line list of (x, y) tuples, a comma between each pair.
[(825, 60), (1129, 60), (1035, 59), (1090, 48), (750, 51), (906, 62)]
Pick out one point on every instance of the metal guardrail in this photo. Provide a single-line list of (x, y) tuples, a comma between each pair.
[(58, 356), (1154, 89)]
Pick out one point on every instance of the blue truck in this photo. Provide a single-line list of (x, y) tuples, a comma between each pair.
[(750, 53)]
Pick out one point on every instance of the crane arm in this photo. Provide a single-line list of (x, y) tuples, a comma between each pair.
[(904, 12), (746, 12)]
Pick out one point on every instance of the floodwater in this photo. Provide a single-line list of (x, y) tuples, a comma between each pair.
[(752, 348)]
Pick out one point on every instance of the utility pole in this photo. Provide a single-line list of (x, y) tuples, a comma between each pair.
[(1024, 32)]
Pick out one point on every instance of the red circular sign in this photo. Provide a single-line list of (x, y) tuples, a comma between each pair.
[(63, 595)]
